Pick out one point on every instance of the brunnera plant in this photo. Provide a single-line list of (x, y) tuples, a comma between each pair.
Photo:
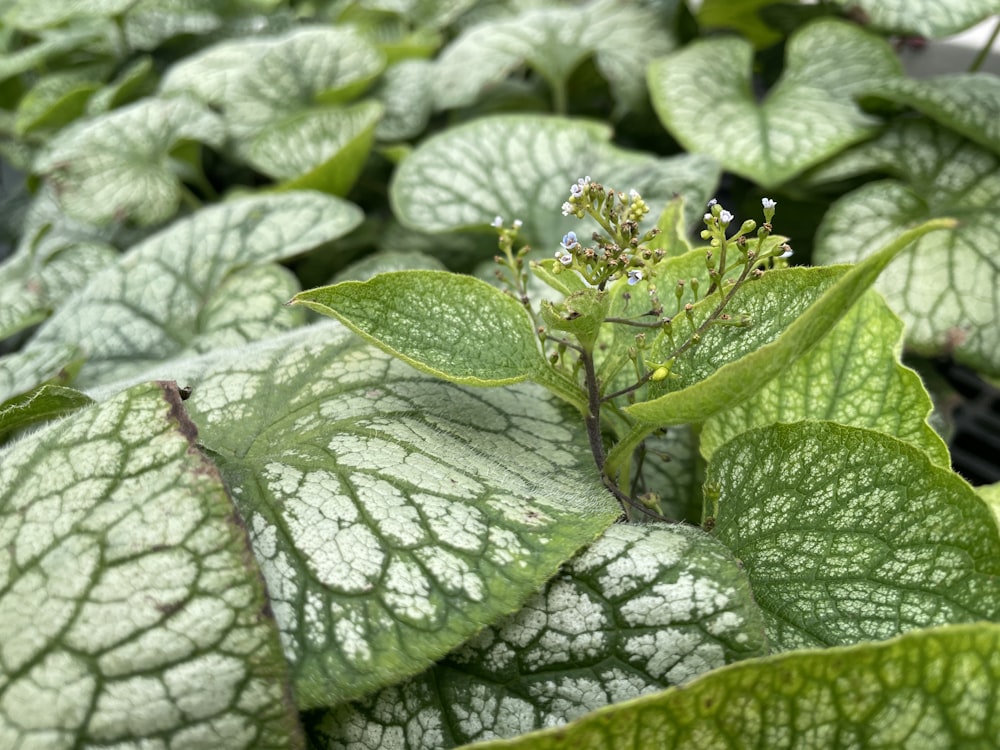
[(652, 486)]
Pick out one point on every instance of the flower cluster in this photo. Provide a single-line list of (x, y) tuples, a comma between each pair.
[(619, 251)]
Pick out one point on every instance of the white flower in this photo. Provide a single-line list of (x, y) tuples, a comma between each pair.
[(518, 223), (712, 202), (768, 203), (567, 208), (564, 257), (497, 222), (725, 218), (707, 218), (787, 251), (634, 276), (576, 190)]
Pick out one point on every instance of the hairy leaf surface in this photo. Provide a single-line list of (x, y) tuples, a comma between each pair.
[(703, 96), (130, 609), (392, 514), (642, 608), (930, 688), (848, 534)]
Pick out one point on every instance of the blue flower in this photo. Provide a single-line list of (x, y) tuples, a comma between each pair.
[(564, 257), (634, 276), (569, 241)]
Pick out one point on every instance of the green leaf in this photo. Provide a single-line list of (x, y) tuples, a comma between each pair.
[(196, 283), (930, 18), (126, 86), (554, 42), (320, 149), (42, 274), (454, 327), (392, 514), (522, 166), (927, 689), (29, 368), (853, 377), (405, 93), (643, 607), (38, 405), (132, 612), (57, 99), (791, 310), (849, 535), (948, 288), (28, 15), (968, 103), (703, 96), (383, 261), (258, 82), (117, 166), (15, 62), (149, 23)]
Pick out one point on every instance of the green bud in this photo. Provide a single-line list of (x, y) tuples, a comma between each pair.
[(660, 373)]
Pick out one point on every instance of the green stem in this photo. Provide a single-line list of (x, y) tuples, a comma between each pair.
[(985, 51), (621, 452)]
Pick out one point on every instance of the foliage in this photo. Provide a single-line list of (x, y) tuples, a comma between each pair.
[(581, 446)]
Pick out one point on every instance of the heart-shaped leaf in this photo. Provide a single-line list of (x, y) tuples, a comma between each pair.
[(853, 377), (131, 612), (522, 166), (258, 82), (849, 535), (455, 327), (968, 103), (930, 18), (703, 96), (117, 166), (947, 288), (923, 689), (643, 607), (319, 149), (392, 514), (553, 42), (172, 289)]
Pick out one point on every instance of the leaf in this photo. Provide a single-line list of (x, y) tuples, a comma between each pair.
[(322, 149), (150, 23), (55, 100), (853, 377), (945, 289), (968, 103), (383, 261), (643, 607), (791, 310), (35, 279), (258, 82), (27, 15), (454, 327), (849, 535), (405, 93), (703, 96), (522, 166), (127, 86), (553, 42), (131, 612), (117, 166), (49, 45), (175, 292), (392, 514), (923, 689), (38, 405), (930, 18), (29, 368)]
